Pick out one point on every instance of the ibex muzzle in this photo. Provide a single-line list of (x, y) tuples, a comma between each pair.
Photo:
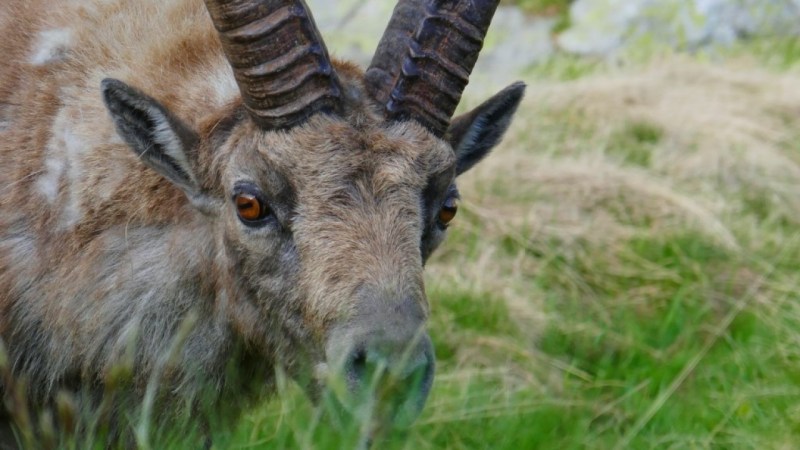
[(385, 352), (285, 202)]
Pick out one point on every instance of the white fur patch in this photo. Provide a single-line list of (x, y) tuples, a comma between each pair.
[(63, 158), (51, 46), (48, 183), (75, 147), (223, 83), (55, 161)]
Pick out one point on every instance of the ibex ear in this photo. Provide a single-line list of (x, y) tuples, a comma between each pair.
[(159, 138), (475, 133)]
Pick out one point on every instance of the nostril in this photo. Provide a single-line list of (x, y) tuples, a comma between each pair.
[(360, 361), (357, 367), (391, 376)]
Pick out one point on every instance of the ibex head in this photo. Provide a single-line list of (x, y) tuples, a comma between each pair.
[(325, 189)]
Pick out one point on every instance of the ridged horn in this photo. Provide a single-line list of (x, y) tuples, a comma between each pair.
[(425, 57), (278, 58)]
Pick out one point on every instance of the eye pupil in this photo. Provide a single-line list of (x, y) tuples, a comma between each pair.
[(448, 211), (248, 207)]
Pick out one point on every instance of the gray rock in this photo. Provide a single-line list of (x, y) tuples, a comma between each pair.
[(515, 41), (352, 28), (606, 27)]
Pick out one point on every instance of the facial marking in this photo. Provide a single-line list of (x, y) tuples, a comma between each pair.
[(224, 84), (51, 46)]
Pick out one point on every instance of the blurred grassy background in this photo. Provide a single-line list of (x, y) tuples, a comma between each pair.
[(624, 268), (548, 8), (541, 7)]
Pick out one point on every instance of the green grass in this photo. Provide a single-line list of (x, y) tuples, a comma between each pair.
[(634, 143), (645, 333)]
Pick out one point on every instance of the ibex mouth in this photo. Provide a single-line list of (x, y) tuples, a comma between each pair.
[(378, 377)]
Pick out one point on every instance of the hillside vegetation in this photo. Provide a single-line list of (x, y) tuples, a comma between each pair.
[(624, 272)]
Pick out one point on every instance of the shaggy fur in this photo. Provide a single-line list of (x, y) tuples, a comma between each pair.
[(102, 258)]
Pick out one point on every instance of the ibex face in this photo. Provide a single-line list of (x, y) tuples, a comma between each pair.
[(327, 189), (349, 217)]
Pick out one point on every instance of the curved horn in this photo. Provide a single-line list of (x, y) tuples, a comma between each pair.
[(424, 59), (278, 58)]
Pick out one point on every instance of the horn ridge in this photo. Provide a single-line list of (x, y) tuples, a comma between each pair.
[(278, 58), (282, 91), (286, 62), (425, 57), (289, 110)]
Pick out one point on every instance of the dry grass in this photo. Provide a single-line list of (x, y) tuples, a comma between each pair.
[(631, 194), (724, 129), (723, 132)]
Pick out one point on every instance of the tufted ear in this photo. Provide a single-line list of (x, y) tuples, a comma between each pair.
[(161, 140), (475, 133)]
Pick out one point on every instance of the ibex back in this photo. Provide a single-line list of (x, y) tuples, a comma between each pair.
[(282, 203)]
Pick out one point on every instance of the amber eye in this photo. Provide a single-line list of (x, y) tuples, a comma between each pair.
[(249, 207), (448, 211)]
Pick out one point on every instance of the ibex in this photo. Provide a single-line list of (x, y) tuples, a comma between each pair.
[(162, 161)]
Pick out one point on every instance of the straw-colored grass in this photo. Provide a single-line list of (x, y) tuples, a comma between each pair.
[(641, 227)]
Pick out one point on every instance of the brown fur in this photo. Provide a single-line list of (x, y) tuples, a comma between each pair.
[(102, 259), (70, 307)]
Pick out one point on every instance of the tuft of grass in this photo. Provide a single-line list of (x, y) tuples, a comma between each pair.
[(634, 143)]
